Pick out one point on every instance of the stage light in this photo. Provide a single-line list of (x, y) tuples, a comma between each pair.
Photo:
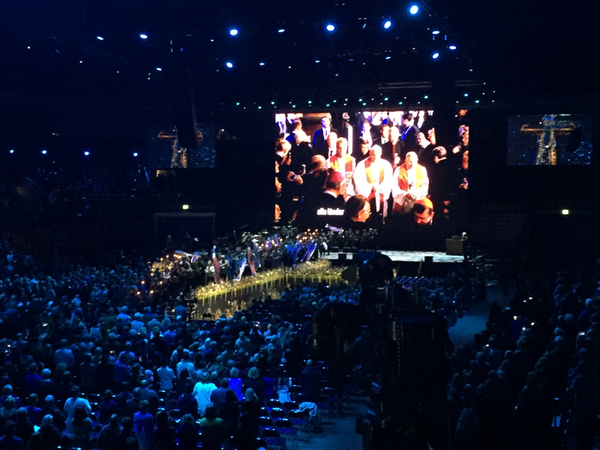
[(229, 65), (330, 27), (261, 64), (317, 61), (388, 57), (435, 32), (11, 151), (414, 9), (281, 30), (565, 212), (100, 38), (159, 69), (452, 47), (185, 207), (86, 153), (436, 55), (387, 24), (44, 151), (135, 154), (143, 36), (233, 32)]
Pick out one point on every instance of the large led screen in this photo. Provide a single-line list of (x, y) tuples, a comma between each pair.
[(370, 168), (549, 140)]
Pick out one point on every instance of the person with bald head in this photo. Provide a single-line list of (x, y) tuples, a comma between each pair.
[(373, 179), (410, 183), (341, 160)]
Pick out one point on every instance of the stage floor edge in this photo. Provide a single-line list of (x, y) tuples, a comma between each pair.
[(405, 256)]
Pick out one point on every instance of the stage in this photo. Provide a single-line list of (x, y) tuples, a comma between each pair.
[(408, 263), (400, 256)]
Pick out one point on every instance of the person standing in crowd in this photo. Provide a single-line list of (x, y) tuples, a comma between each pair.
[(319, 143), (188, 433), (341, 160), (72, 405), (213, 430), (202, 392), (410, 134), (143, 426), (384, 141)]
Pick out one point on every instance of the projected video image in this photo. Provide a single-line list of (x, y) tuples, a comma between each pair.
[(368, 168), (167, 149), (549, 140)]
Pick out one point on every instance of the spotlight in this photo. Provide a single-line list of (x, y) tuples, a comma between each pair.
[(233, 32), (143, 36), (414, 9), (159, 69), (436, 55), (229, 65), (281, 30), (11, 151), (135, 154), (452, 47), (44, 151), (387, 24), (100, 38), (86, 153), (261, 64), (330, 27), (185, 207), (435, 32), (565, 212)]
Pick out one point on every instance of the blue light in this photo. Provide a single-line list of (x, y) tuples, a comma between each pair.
[(229, 65), (143, 36), (233, 32), (452, 47), (388, 57), (281, 30), (44, 151), (100, 38), (86, 153), (387, 24), (159, 69), (317, 61), (11, 151), (261, 64), (135, 154), (436, 55), (435, 32), (414, 9), (330, 27)]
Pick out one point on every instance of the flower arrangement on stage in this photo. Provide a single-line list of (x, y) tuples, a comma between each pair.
[(254, 263)]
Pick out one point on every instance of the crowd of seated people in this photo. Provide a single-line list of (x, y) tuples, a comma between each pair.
[(86, 362), (531, 379)]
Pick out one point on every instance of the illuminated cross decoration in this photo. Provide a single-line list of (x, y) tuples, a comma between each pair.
[(179, 153), (546, 155)]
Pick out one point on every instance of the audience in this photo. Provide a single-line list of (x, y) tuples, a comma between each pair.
[(75, 339)]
